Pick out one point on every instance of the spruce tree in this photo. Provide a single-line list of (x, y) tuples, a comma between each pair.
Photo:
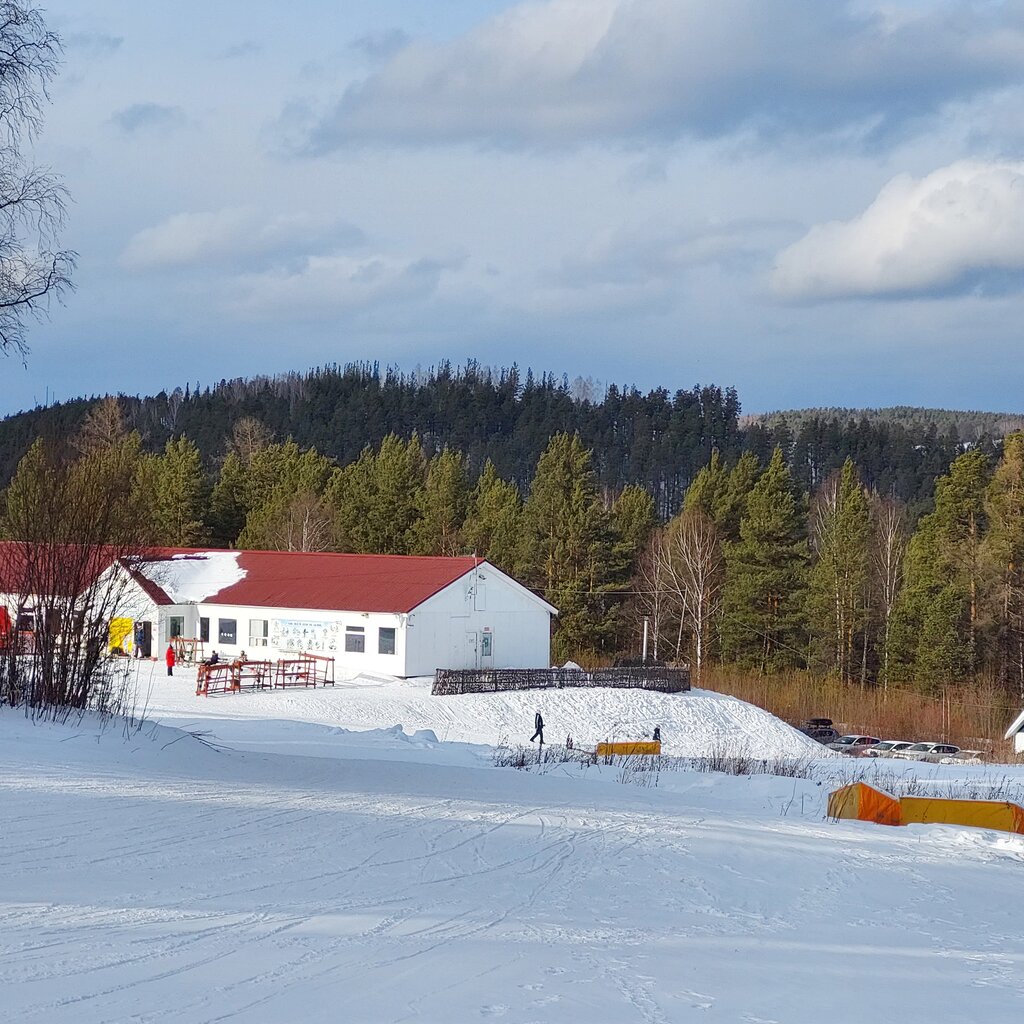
[(730, 505), (766, 571)]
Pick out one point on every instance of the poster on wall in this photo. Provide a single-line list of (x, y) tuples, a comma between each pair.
[(305, 635)]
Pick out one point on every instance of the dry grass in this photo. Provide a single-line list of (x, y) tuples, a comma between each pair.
[(973, 716)]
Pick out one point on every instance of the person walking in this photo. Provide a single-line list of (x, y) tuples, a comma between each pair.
[(170, 657), (538, 723)]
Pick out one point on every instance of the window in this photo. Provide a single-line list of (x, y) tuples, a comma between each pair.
[(486, 640), (355, 639), (175, 626), (227, 631), (386, 640), (258, 632), (204, 630)]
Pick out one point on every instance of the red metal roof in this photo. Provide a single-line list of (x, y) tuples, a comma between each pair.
[(330, 581)]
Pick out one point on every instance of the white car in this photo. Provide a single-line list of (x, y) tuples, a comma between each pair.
[(933, 752), (887, 748), (854, 745)]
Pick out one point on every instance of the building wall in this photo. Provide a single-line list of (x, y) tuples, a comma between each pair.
[(296, 630), (448, 630)]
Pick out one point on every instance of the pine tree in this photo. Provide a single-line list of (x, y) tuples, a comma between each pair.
[(377, 499), (283, 492), (492, 528), (838, 593), (567, 545), (766, 571), (443, 505), (730, 504), (709, 488), (229, 502), (174, 484), (936, 623)]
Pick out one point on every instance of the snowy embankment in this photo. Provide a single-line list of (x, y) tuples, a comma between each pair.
[(154, 878), (692, 724)]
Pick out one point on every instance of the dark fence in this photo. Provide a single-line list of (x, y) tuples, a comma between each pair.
[(450, 681)]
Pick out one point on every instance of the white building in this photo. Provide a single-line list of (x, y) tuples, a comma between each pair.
[(394, 614)]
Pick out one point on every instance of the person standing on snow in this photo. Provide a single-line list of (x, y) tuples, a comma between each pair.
[(170, 658), (657, 734), (539, 726)]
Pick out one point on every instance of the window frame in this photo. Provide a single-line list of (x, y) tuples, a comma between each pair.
[(355, 633), (259, 639), (381, 630), (233, 642)]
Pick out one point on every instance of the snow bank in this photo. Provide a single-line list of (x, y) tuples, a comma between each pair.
[(693, 724)]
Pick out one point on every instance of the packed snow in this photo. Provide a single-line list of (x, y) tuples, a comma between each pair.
[(154, 876), (692, 724)]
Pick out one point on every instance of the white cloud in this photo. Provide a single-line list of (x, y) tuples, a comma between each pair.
[(235, 234), (565, 71), (959, 228), (334, 285)]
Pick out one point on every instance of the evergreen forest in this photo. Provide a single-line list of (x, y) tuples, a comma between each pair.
[(863, 549)]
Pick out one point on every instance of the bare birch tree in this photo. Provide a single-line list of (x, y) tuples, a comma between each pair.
[(888, 551), (32, 200), (693, 569)]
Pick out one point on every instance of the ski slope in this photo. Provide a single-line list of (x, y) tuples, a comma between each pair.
[(692, 724), (154, 878)]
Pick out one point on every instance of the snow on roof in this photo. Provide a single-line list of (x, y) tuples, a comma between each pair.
[(193, 577)]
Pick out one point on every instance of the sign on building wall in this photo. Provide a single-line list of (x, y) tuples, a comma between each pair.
[(305, 635)]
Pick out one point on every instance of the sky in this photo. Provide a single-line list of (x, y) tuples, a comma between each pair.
[(816, 203)]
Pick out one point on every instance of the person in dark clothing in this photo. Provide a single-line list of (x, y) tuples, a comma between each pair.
[(170, 658), (539, 726), (657, 734), (214, 659)]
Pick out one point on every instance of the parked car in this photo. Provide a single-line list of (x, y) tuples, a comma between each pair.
[(887, 748), (819, 729), (855, 746), (932, 752), (964, 757)]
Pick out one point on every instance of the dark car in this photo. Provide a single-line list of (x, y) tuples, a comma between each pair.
[(819, 729)]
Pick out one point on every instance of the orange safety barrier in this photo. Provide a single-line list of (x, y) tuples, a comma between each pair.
[(628, 749), (216, 679), (864, 803)]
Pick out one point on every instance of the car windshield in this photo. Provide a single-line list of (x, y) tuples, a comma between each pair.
[(885, 745), (922, 746), (847, 740)]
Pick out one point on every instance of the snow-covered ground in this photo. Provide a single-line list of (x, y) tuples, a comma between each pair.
[(696, 723), (294, 870)]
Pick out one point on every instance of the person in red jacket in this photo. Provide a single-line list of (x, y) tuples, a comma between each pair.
[(170, 658)]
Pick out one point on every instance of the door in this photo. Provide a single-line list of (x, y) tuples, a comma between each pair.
[(472, 650), (147, 640), (486, 649)]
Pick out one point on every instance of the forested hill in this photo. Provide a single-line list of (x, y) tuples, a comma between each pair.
[(659, 439), (969, 426)]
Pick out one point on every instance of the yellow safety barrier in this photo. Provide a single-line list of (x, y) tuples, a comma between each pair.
[(996, 814), (627, 749)]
